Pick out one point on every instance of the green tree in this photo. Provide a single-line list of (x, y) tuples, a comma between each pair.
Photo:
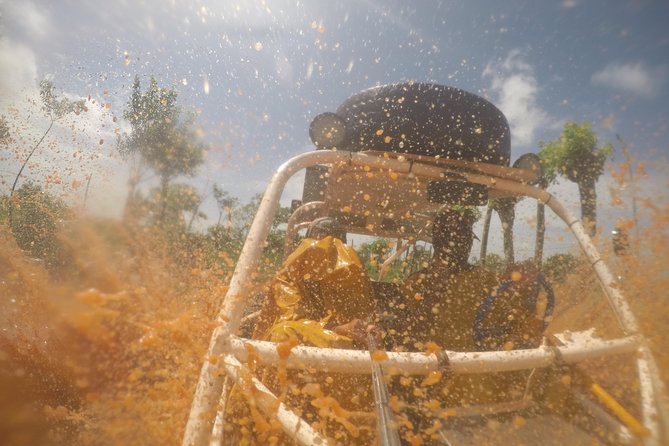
[(245, 214), (577, 156), (273, 250), (227, 204), (37, 219), (221, 247), (226, 240), (373, 254), (162, 136), (416, 260), (493, 262), (169, 208), (54, 108), (5, 135), (558, 266)]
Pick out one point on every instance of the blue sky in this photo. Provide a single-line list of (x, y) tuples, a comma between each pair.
[(258, 72)]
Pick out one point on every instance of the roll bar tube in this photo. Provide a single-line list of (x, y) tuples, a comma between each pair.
[(210, 383), (415, 363)]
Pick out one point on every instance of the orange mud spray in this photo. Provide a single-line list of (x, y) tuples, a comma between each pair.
[(107, 349)]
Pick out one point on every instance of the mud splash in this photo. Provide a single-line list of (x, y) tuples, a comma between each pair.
[(108, 350)]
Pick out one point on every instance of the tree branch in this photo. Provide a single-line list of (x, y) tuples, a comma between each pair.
[(23, 166)]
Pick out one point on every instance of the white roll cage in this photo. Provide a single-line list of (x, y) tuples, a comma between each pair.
[(226, 352)]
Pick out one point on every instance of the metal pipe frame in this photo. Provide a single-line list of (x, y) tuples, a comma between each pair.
[(415, 363), (210, 383), (399, 251), (312, 209), (298, 429)]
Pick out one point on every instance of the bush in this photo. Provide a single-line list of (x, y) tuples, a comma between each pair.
[(557, 267), (36, 219)]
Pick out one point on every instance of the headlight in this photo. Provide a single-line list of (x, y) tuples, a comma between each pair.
[(328, 131)]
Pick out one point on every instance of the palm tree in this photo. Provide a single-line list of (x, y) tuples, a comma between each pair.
[(576, 156)]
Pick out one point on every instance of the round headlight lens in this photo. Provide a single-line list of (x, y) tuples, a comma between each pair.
[(327, 130)]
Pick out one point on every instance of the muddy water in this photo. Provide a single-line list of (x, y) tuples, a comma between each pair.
[(107, 350)]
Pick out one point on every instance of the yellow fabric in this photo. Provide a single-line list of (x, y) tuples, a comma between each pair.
[(310, 332), (322, 280)]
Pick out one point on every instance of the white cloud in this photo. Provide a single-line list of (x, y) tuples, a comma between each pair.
[(635, 78), (516, 88), (75, 147), (283, 68), (18, 68), (28, 16)]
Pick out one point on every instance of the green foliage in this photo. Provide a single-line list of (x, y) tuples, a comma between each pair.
[(162, 135), (37, 220), (471, 211), (415, 260), (5, 136), (373, 255), (574, 154), (148, 113), (160, 132), (558, 266), (245, 214), (222, 247), (493, 262), (226, 204), (56, 107), (180, 199), (273, 249), (225, 240), (34, 222), (163, 138)]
